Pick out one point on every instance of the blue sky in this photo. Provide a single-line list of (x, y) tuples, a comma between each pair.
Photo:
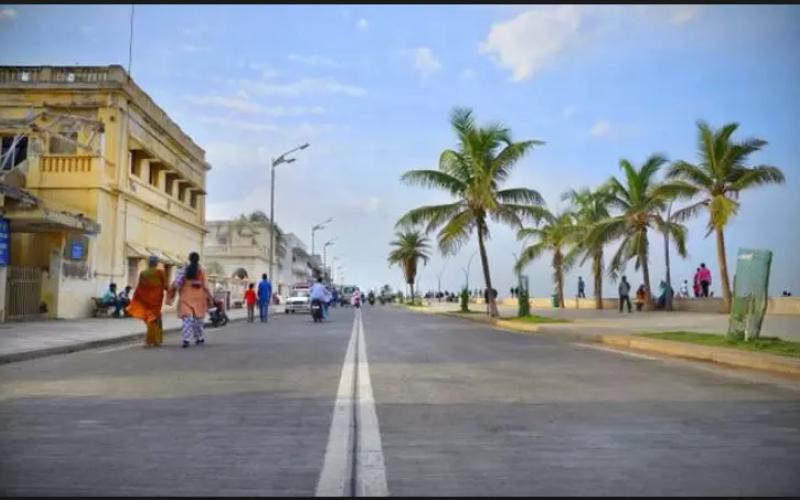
[(371, 88)]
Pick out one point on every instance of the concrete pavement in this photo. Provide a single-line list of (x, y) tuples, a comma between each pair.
[(461, 409)]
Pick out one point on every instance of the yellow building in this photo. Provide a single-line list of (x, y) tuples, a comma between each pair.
[(109, 179)]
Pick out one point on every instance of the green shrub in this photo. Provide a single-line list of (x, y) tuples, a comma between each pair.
[(524, 306), (464, 300)]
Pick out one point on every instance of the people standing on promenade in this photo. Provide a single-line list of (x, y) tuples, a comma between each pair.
[(624, 293), (581, 288), (264, 295), (685, 289), (696, 287), (641, 296), (704, 275), (147, 301), (250, 300), (192, 287)]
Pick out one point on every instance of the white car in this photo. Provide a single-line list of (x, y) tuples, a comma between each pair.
[(298, 301)]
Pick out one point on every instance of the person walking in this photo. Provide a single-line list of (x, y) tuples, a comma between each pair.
[(192, 287), (624, 293), (696, 287), (685, 290), (264, 294), (581, 288), (250, 300), (641, 295), (147, 300), (704, 275)]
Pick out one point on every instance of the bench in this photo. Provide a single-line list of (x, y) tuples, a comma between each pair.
[(100, 309)]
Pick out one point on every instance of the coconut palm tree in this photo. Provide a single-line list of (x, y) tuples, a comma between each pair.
[(590, 208), (410, 247), (558, 234), (640, 199), (472, 174), (719, 178)]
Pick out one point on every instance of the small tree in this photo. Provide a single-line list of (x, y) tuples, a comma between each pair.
[(464, 300)]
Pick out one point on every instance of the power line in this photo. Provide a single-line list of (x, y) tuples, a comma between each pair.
[(130, 45)]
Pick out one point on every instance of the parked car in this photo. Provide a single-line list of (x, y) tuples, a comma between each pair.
[(346, 295), (298, 301)]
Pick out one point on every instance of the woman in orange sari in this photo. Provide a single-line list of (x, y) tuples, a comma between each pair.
[(147, 300)]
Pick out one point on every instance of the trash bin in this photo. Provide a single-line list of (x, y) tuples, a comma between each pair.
[(555, 300)]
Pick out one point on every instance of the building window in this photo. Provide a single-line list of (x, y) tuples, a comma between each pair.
[(154, 175), (13, 151), (170, 183), (60, 146), (136, 166), (181, 193), (193, 199)]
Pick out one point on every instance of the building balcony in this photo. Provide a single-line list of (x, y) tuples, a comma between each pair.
[(70, 171)]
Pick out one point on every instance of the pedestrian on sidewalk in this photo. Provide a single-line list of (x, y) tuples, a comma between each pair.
[(147, 300), (685, 290), (581, 288), (250, 299), (696, 287), (641, 296), (264, 294), (110, 299), (195, 298), (705, 279), (624, 293)]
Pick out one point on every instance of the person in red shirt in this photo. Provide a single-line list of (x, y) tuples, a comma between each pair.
[(250, 299), (704, 275)]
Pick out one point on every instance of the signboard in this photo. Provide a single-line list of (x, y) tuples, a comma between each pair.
[(76, 250), (4, 241), (750, 284)]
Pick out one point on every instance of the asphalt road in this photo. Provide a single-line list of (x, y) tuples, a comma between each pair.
[(441, 406)]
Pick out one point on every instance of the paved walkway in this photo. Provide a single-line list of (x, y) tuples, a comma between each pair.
[(33, 338), (607, 322)]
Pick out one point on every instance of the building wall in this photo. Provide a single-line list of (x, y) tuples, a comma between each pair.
[(101, 185)]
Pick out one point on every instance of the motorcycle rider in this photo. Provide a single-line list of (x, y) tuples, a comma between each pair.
[(356, 298), (371, 297), (320, 293)]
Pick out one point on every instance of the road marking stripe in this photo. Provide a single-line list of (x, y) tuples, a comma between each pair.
[(336, 475), (370, 464), (606, 349)]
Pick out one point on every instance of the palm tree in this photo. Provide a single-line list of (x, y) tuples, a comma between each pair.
[(640, 199), (472, 174), (719, 178), (590, 208), (558, 234), (410, 247)]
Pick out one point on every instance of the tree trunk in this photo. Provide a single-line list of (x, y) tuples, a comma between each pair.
[(412, 292), (597, 269), (485, 264), (646, 273), (723, 270), (557, 265)]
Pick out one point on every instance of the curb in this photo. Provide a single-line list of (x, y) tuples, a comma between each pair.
[(721, 355), (83, 346)]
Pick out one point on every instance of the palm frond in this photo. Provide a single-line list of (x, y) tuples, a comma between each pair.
[(433, 215), (520, 195), (456, 232), (434, 178), (758, 176)]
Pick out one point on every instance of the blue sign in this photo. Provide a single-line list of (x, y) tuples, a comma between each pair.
[(4, 241), (76, 250)]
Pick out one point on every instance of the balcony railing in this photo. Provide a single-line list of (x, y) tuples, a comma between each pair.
[(70, 171)]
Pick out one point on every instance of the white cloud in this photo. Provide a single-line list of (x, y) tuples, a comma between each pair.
[(467, 74), (314, 60), (241, 104), (362, 24), (325, 85), (8, 13), (601, 128), (568, 112), (682, 14), (528, 42), (240, 124), (425, 61), (189, 47)]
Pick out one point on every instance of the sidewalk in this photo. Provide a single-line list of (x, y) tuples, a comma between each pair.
[(34, 339), (592, 322)]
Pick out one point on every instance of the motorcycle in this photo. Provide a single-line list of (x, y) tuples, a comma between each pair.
[(316, 310), (217, 314), (371, 300)]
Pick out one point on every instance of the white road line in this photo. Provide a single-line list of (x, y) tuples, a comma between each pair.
[(607, 349), (335, 478), (370, 465)]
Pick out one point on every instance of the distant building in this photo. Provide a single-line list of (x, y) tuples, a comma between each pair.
[(102, 178)]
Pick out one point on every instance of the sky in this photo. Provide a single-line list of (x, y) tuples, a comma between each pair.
[(371, 89)]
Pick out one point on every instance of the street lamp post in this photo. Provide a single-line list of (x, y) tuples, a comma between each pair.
[(275, 162), (317, 227), (466, 269), (440, 276), (324, 252)]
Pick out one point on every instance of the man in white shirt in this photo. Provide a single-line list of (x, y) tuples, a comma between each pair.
[(320, 293)]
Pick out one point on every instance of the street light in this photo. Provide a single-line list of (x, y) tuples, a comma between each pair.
[(317, 227), (466, 269), (275, 162), (324, 254), (440, 276)]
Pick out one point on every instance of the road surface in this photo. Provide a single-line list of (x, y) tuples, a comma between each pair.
[(391, 402)]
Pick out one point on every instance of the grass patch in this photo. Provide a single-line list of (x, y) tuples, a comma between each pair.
[(536, 319), (771, 345)]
